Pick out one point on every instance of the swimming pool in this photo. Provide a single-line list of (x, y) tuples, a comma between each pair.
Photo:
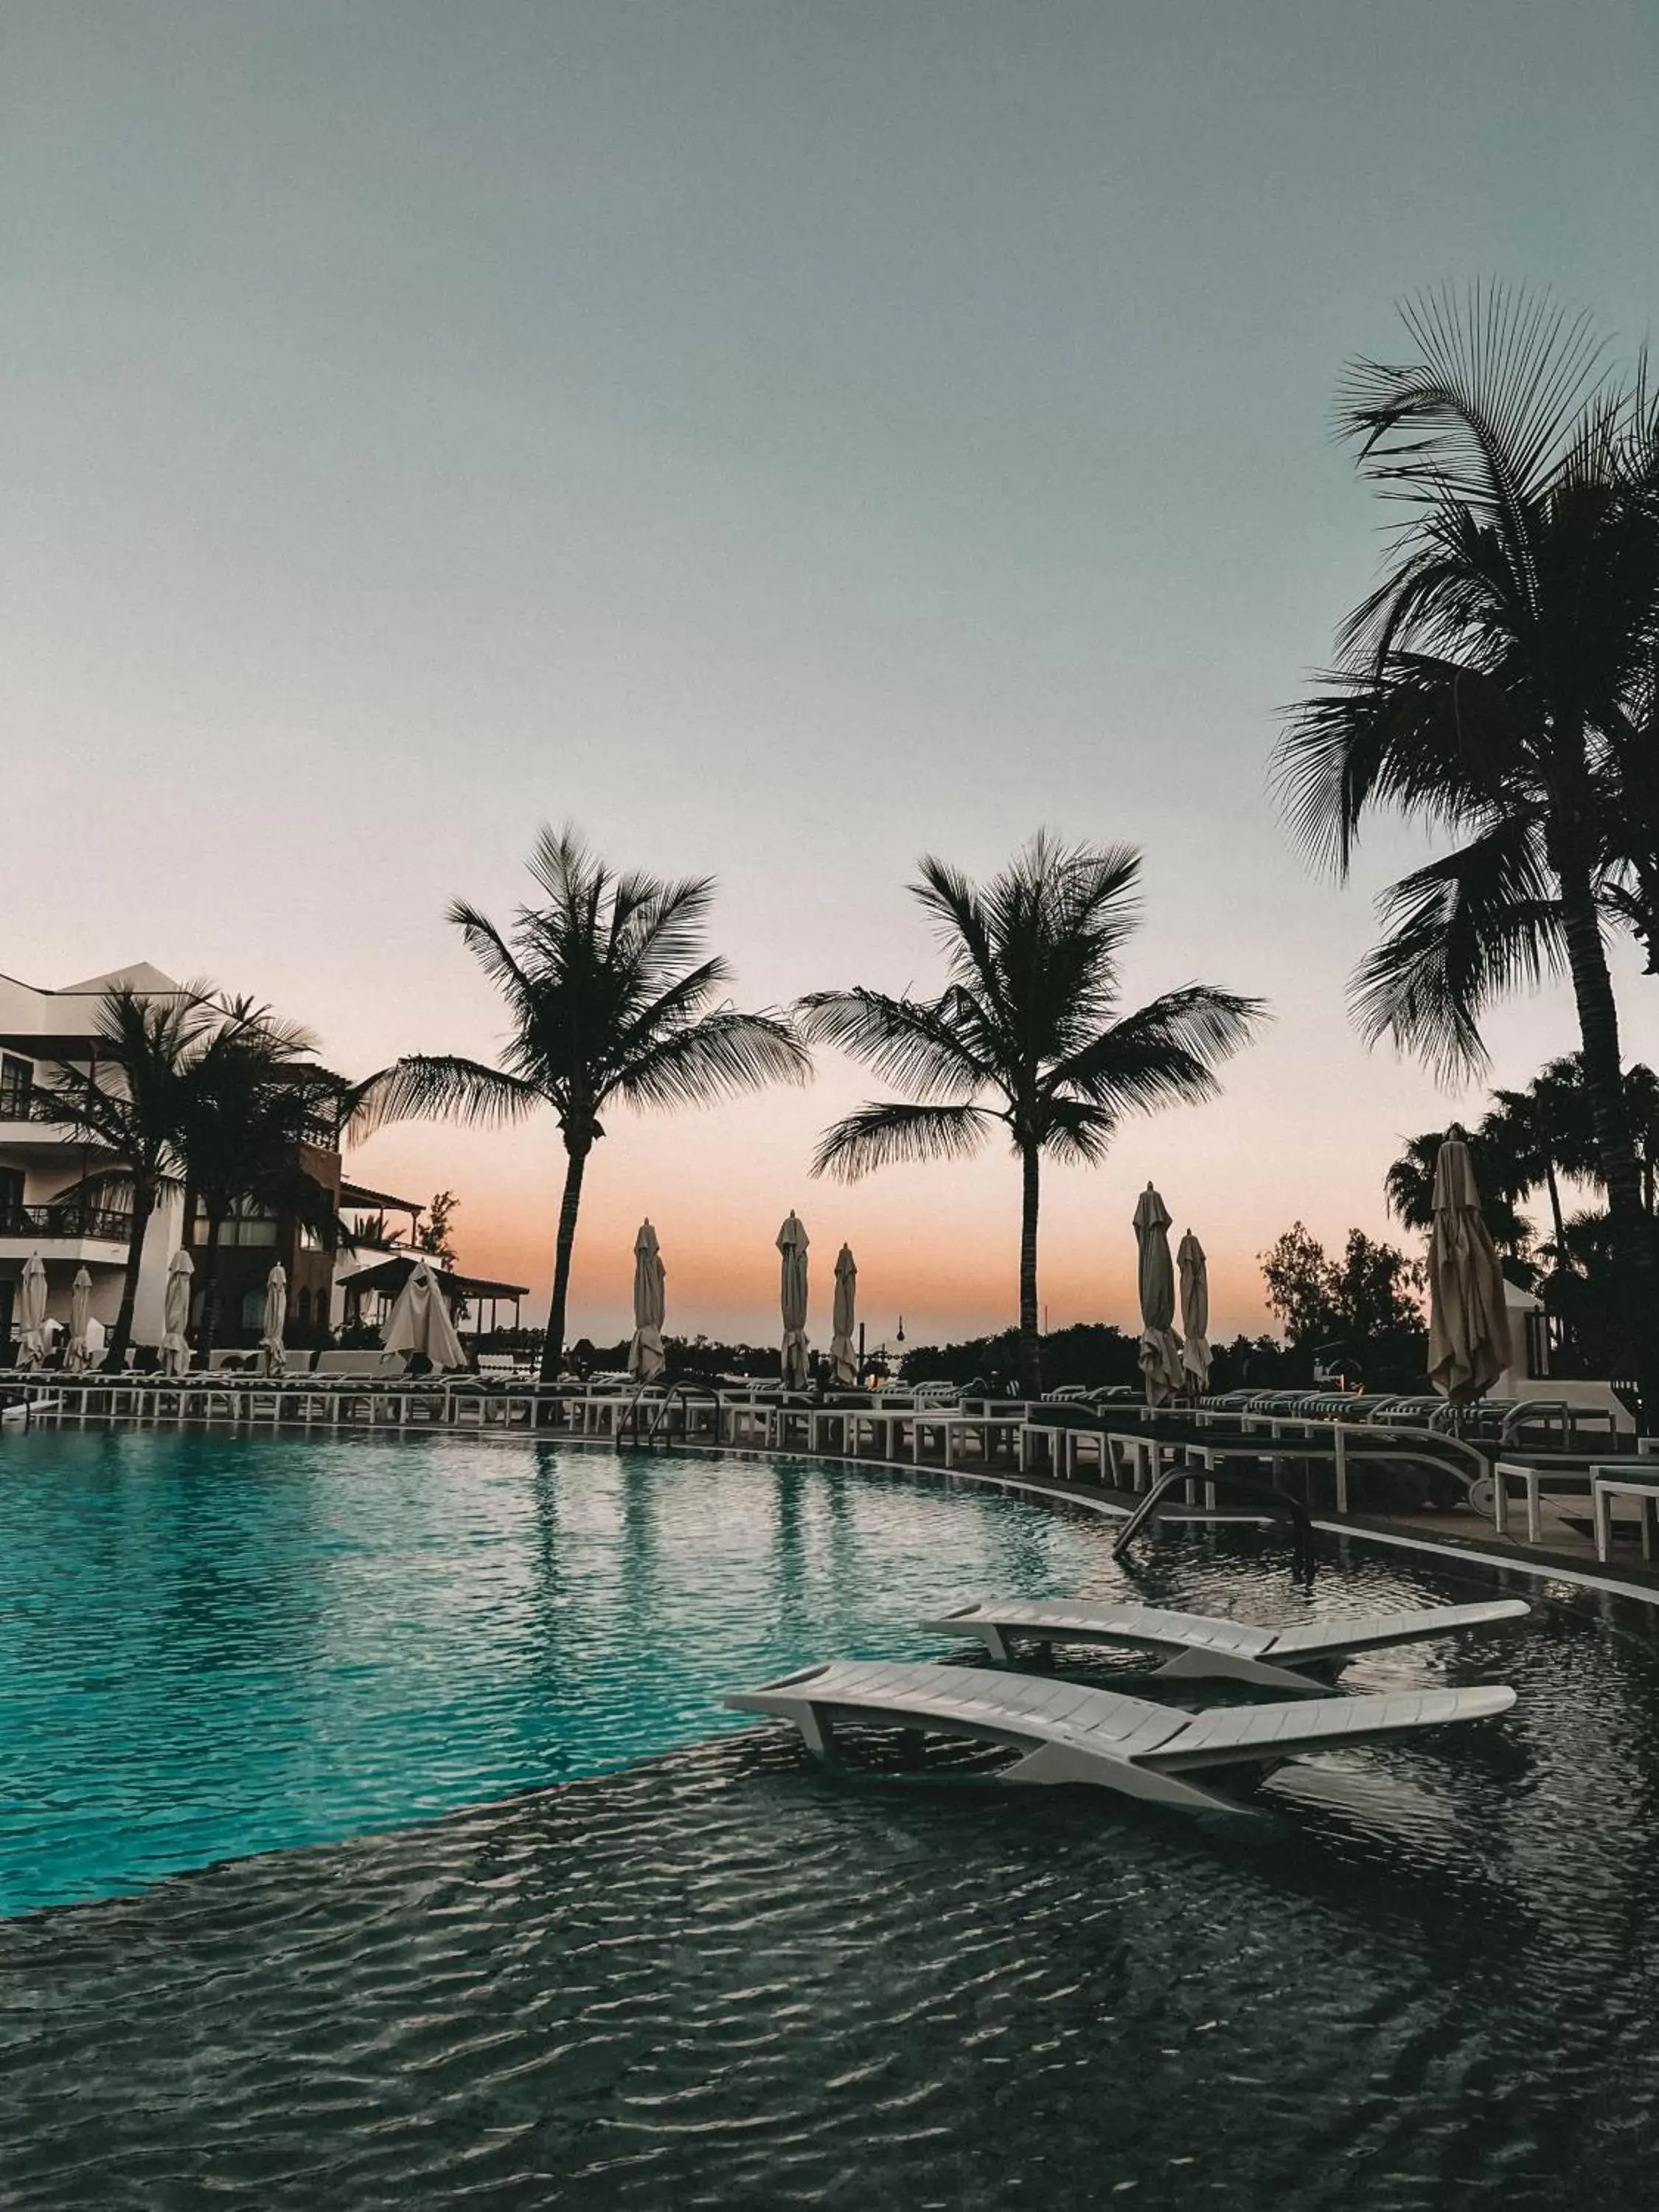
[(213, 1646), (715, 1977)]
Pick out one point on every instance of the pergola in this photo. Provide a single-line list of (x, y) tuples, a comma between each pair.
[(358, 1197)]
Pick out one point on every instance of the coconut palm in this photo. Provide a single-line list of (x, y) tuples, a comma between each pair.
[(251, 1099), (611, 997), (1557, 1107), (1493, 687), (128, 1104), (1028, 1031)]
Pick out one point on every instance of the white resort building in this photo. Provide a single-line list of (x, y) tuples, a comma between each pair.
[(45, 1212), (40, 1031)]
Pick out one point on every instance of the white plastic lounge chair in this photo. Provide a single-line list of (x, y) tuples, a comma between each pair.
[(1068, 1733), (1199, 1643)]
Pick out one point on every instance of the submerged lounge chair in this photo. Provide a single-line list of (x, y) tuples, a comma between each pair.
[(1068, 1733), (1199, 1643)]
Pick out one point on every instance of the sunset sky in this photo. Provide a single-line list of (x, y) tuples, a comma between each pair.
[(784, 438)]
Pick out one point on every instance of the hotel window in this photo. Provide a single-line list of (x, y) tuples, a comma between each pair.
[(247, 1223), (16, 1081)]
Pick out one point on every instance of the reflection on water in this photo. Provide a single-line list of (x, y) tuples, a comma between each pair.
[(211, 1646)]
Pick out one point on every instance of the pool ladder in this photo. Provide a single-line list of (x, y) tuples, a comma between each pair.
[(1271, 1503), (627, 1428)]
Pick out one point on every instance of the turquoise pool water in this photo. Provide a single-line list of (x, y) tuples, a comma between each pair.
[(1426, 1981), (216, 1646)]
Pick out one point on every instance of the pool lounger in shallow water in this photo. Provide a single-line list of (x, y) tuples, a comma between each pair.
[(1203, 1644), (1068, 1732)]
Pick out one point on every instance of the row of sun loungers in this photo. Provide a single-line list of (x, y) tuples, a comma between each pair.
[(1070, 1732)]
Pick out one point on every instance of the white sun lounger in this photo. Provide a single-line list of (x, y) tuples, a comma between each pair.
[(1200, 1643), (1068, 1732)]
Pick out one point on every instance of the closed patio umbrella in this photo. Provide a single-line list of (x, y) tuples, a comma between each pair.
[(843, 1358), (79, 1354), (175, 1314), (646, 1357), (1468, 1314), (1195, 1311), (420, 1322), (272, 1343), (32, 1340), (792, 1243), (1160, 1348)]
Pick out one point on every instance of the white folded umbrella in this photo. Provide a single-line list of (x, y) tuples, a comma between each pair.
[(175, 1314), (79, 1354), (272, 1342), (1469, 1314), (1195, 1311), (843, 1354), (33, 1342), (646, 1357), (792, 1243), (420, 1322), (1160, 1347)]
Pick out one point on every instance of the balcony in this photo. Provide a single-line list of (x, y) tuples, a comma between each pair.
[(83, 1231)]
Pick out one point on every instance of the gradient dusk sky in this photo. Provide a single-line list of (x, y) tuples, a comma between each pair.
[(783, 438)]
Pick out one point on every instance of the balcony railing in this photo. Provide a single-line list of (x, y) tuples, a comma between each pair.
[(71, 1218), (16, 1102)]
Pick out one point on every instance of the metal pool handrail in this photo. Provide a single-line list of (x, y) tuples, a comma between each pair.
[(1260, 1493)]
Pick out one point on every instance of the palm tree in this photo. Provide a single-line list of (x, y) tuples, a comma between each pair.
[(133, 1119), (611, 997), (1493, 687), (1557, 1105), (250, 1099), (1030, 1015)]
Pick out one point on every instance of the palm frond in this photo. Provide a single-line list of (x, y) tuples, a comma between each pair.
[(485, 942), (724, 1053), (1169, 1049), (963, 929), (658, 927), (1432, 738), (247, 1025), (442, 1087), (1488, 411), (919, 1044), (1077, 1131), (1460, 934), (880, 1135), (664, 1016)]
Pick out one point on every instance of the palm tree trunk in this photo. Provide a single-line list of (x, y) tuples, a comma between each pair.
[(1556, 1216), (1030, 1344), (1598, 1024), (143, 1204), (553, 1348), (208, 1326)]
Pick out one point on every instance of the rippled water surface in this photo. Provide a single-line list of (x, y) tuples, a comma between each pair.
[(216, 1645), (718, 1978)]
